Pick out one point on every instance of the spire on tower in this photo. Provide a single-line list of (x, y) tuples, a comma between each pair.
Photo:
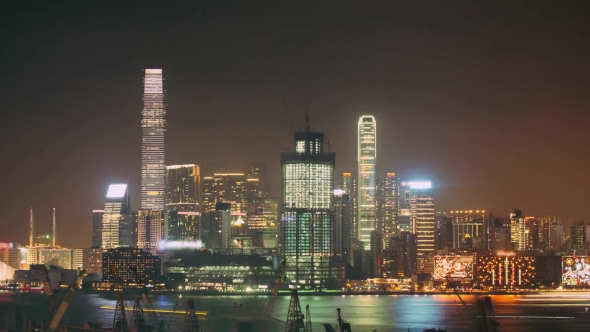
[(54, 231)]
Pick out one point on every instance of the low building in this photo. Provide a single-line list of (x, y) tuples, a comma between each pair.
[(131, 266), (203, 270)]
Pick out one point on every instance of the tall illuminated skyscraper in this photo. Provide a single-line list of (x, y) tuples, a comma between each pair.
[(307, 220), (367, 154), (387, 206), (153, 125), (116, 218), (422, 214)]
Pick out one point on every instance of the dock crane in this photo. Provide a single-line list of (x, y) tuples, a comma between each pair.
[(270, 303), (307, 319), (152, 316), (65, 303), (295, 318), (49, 291)]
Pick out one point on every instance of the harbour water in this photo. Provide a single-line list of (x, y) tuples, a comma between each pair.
[(559, 311)]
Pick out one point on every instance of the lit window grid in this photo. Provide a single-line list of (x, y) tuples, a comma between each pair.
[(367, 153), (153, 125), (110, 224), (308, 185)]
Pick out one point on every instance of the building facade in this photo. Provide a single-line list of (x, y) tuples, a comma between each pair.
[(182, 189), (225, 188), (349, 185), (92, 260), (307, 221), (367, 155), (130, 265), (116, 218), (343, 214), (422, 214), (153, 127), (97, 216), (387, 206), (151, 229)]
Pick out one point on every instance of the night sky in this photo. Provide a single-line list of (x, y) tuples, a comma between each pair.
[(489, 101)]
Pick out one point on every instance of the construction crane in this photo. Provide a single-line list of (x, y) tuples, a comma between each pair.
[(295, 318), (65, 303), (120, 318), (270, 302), (49, 292), (137, 317)]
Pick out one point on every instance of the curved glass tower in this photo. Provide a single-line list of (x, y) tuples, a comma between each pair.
[(153, 126), (367, 154)]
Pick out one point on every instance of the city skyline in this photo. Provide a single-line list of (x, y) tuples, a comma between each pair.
[(489, 128)]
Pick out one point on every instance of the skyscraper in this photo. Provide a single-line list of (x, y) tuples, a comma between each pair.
[(387, 206), (182, 188), (97, 228), (367, 154), (422, 214), (153, 125), (307, 214), (116, 218)]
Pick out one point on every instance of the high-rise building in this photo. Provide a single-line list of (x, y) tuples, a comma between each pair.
[(348, 184), (77, 259), (258, 171), (150, 229), (580, 238), (516, 225), (387, 206), (422, 214), (116, 218), (343, 226), (367, 154), (404, 214), (307, 223), (92, 260), (97, 228), (225, 188), (182, 192), (407, 254), (153, 126), (443, 233), (555, 236)]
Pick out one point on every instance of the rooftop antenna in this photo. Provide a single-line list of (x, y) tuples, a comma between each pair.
[(54, 231), (31, 231)]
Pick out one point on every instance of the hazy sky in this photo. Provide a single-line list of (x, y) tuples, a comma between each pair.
[(489, 101)]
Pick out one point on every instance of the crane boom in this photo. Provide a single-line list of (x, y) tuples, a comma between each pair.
[(65, 303), (270, 303)]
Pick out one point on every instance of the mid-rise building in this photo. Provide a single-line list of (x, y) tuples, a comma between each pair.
[(116, 218), (262, 222), (387, 209), (130, 265), (184, 225), (92, 260), (151, 229), (11, 256), (367, 155), (182, 190), (57, 257), (217, 227), (307, 221), (516, 228), (153, 127), (97, 216), (77, 259), (343, 214), (402, 256)]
